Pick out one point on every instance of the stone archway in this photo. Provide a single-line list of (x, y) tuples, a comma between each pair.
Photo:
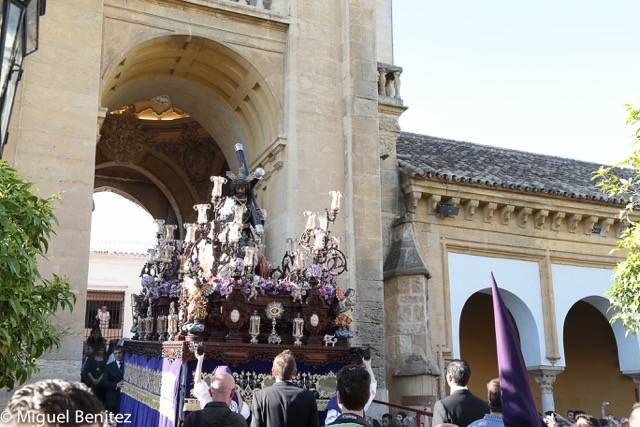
[(478, 339), (214, 84), (161, 158), (593, 371)]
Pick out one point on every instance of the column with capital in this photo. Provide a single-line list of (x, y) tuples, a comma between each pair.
[(545, 377)]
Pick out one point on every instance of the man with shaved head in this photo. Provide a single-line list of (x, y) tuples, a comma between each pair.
[(217, 413)]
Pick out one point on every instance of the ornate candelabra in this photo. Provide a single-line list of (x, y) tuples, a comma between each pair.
[(274, 311)]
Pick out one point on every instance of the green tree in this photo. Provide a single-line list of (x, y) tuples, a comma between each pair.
[(27, 300), (623, 181)]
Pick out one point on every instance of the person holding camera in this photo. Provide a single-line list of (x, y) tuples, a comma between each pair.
[(333, 409)]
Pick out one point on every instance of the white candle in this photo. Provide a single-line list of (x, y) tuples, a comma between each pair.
[(218, 182), (336, 200), (202, 212), (191, 232), (311, 220), (323, 222)]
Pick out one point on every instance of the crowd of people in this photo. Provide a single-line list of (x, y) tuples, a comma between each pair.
[(282, 404)]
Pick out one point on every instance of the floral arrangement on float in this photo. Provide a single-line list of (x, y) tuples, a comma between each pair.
[(221, 261)]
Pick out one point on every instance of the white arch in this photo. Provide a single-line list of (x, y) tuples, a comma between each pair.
[(572, 284), (519, 282)]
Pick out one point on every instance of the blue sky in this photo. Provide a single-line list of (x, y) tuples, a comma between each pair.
[(543, 76)]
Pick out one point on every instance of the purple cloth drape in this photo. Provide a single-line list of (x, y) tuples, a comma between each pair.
[(143, 415), (518, 407)]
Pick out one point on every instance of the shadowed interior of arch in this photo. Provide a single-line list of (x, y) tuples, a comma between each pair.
[(592, 373), (478, 339)]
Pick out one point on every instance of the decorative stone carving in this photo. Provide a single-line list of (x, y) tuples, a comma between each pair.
[(588, 225), (432, 203), (389, 81), (605, 226), (572, 225), (545, 377), (470, 207), (557, 220), (523, 216), (505, 213), (197, 156), (123, 138), (488, 211), (540, 218)]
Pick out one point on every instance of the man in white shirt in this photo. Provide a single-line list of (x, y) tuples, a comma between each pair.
[(103, 317)]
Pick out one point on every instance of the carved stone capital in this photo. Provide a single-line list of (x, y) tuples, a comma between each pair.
[(523, 216), (556, 220), (505, 213), (589, 223), (470, 207), (540, 218), (545, 377), (572, 225), (488, 211)]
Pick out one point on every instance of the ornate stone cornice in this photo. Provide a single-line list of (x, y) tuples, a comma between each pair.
[(533, 215)]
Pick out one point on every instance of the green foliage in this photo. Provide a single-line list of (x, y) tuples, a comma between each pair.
[(27, 300), (624, 294)]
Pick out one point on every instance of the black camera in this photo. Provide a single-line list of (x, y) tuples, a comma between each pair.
[(200, 350)]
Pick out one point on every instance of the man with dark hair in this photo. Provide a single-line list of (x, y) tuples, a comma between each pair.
[(113, 380), (634, 415), (386, 419), (494, 417), (461, 407), (353, 393), (284, 404), (49, 401)]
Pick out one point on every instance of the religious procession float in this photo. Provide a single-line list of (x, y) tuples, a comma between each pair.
[(216, 292)]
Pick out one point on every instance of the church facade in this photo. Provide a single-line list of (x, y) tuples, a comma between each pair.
[(147, 98)]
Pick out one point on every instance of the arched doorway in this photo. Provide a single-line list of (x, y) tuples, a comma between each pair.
[(478, 343), (592, 373), (177, 105)]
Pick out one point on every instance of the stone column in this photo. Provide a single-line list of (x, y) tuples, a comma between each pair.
[(53, 138), (545, 377)]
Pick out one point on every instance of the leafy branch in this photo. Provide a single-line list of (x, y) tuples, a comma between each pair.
[(623, 181), (27, 300)]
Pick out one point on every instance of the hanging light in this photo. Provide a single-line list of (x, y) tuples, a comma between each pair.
[(18, 38)]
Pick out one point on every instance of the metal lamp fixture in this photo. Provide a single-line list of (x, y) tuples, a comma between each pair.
[(18, 39)]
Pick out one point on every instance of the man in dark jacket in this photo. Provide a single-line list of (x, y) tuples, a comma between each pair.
[(461, 407), (283, 404), (113, 378), (217, 413)]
